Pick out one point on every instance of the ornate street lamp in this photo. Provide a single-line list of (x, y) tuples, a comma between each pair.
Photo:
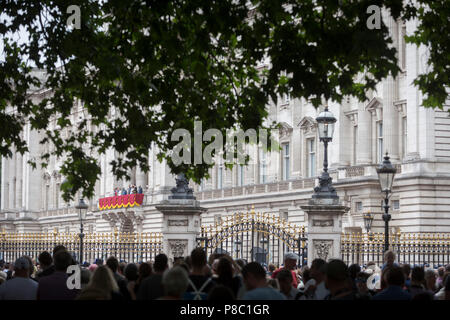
[(326, 122), (386, 172), (82, 206), (368, 219)]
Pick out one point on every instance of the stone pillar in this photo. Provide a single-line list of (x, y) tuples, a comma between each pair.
[(390, 114), (18, 190), (181, 221), (324, 228), (12, 180), (364, 152), (141, 178)]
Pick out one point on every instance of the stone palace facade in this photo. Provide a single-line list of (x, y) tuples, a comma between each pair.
[(417, 139)]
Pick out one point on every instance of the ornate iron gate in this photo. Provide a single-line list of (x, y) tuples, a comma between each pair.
[(254, 237)]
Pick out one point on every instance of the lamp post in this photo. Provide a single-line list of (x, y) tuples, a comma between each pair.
[(368, 219), (326, 121), (386, 172), (82, 206)]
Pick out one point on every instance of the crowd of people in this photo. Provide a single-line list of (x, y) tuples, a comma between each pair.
[(219, 278), (132, 189)]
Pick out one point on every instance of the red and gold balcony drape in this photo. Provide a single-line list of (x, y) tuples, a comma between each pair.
[(127, 200)]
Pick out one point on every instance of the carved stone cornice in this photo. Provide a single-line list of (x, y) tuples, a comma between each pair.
[(352, 116), (401, 107), (375, 106)]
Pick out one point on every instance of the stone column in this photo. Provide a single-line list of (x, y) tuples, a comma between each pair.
[(141, 178), (324, 228), (390, 93), (364, 152), (18, 190), (12, 179), (181, 221)]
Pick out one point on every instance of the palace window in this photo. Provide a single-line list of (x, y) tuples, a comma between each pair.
[(396, 204), (240, 175), (380, 141), (311, 158), (359, 206), (286, 167), (220, 177)]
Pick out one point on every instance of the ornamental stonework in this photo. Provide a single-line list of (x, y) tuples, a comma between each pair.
[(178, 247), (178, 223), (323, 248), (323, 223)]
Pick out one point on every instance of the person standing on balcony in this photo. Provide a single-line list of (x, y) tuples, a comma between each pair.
[(140, 190)]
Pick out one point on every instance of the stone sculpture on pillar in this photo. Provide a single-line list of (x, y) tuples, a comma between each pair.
[(181, 220)]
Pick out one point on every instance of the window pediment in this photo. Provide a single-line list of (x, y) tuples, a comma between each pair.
[(308, 124), (375, 107)]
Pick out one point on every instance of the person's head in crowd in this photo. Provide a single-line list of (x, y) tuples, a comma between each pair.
[(361, 282), (58, 248), (290, 260), (92, 267), (406, 270), (122, 266), (112, 264), (98, 262), (271, 267), (145, 271), (221, 293), (430, 279), (317, 270), (273, 283), (175, 282), (284, 278), (101, 286), (353, 270), (45, 260), (85, 277), (241, 263), (160, 264), (441, 272), (447, 268), (62, 259), (198, 260), (131, 272), (337, 275), (254, 276), (306, 275), (22, 267), (395, 277), (389, 258), (418, 276), (224, 270), (214, 266), (31, 268)]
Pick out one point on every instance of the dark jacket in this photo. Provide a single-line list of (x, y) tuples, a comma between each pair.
[(392, 293), (151, 288), (54, 287)]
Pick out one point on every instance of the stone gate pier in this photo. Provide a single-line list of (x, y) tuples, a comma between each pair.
[(181, 220), (324, 228)]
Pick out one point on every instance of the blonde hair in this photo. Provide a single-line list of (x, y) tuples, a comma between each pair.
[(103, 280)]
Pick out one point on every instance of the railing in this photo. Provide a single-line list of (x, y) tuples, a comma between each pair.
[(414, 249), (254, 236), (131, 247)]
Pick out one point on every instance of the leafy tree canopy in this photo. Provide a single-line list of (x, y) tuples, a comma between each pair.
[(161, 65)]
